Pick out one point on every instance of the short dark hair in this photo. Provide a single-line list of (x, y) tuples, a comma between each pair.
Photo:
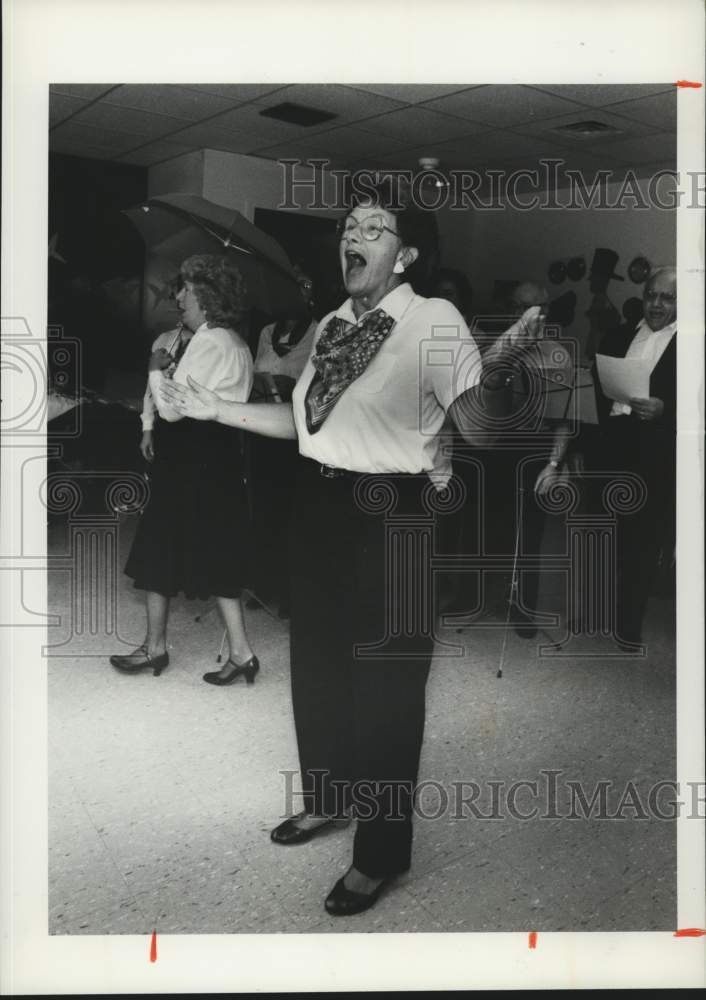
[(416, 227), (219, 287)]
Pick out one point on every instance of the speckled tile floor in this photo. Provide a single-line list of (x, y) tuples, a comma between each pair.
[(162, 791)]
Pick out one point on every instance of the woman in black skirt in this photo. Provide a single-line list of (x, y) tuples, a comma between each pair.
[(193, 535)]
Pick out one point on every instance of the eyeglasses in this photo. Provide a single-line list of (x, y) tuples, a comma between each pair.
[(667, 297), (371, 228)]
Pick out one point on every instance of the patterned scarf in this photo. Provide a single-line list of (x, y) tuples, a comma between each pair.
[(343, 352)]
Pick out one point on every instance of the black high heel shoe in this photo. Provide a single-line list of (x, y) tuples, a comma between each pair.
[(247, 670), (155, 663)]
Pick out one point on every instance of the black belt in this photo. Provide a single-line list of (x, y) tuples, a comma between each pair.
[(330, 471)]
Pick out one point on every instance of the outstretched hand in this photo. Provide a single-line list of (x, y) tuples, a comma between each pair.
[(194, 400), (527, 330)]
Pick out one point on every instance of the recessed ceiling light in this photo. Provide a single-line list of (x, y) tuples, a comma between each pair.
[(586, 129), (297, 114)]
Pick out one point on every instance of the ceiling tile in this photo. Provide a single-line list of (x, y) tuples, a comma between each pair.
[(85, 91), (411, 93), (409, 125), (599, 94), (96, 138), (156, 152), (237, 92), (207, 136), (61, 107), (249, 119), (502, 105), (648, 149), (348, 103), (659, 111), (624, 126), (169, 99), (352, 141), (138, 123)]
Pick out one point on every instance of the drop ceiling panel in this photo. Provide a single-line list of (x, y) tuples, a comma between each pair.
[(626, 127), (648, 149), (139, 123), (94, 138), (411, 93), (155, 152), (409, 125), (659, 111), (598, 95), (61, 107), (169, 99), (207, 136), (502, 105), (269, 130), (345, 142), (349, 104), (238, 92)]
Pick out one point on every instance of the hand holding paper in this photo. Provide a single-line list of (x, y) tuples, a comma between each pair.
[(623, 379)]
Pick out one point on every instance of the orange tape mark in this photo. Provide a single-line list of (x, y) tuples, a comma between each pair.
[(690, 932), (153, 947), (688, 83), (533, 939)]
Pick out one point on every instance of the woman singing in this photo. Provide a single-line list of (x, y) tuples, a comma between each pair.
[(368, 412)]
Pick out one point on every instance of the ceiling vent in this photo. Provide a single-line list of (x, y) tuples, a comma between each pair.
[(297, 114), (586, 130)]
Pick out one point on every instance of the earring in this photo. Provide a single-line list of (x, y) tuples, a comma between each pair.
[(398, 268)]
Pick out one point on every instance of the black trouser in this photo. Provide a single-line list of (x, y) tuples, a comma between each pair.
[(359, 718), (632, 447)]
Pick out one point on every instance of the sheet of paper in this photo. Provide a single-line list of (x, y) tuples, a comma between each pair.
[(623, 378)]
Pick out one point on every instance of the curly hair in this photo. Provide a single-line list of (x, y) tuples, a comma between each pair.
[(219, 288)]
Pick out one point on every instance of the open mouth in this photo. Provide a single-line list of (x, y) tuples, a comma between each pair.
[(355, 262)]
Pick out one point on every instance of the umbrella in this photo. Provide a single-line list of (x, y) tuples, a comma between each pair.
[(178, 225)]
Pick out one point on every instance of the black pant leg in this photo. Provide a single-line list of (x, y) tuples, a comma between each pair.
[(321, 553)]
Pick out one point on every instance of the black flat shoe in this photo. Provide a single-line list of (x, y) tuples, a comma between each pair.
[(289, 833), (342, 902), (127, 664), (247, 670)]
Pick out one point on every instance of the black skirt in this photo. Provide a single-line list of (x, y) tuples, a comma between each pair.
[(193, 536)]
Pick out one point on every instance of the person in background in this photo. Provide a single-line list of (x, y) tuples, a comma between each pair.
[(639, 438), (192, 537), (602, 315), (520, 467), (174, 343), (453, 285), (358, 709)]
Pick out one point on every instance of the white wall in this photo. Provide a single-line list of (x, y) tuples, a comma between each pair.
[(520, 245), (183, 174)]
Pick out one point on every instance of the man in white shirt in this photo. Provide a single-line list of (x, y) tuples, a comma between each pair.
[(639, 437)]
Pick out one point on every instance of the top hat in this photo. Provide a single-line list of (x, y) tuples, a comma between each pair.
[(604, 262)]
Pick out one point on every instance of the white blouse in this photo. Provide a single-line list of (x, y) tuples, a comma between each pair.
[(390, 418), (216, 358)]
